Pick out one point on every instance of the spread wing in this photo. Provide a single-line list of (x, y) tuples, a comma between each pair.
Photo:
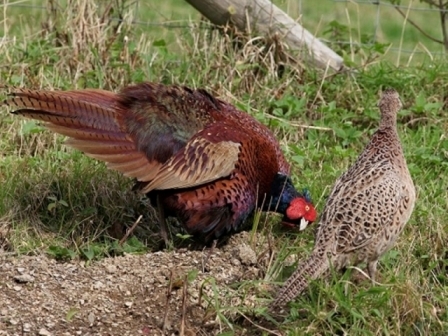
[(145, 130)]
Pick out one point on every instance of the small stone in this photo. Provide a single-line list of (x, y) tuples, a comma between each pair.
[(17, 288), (128, 304), (26, 327), (98, 285), (91, 318), (245, 254), (44, 332), (290, 260), (20, 270), (13, 322), (111, 269), (161, 279), (24, 278), (235, 262)]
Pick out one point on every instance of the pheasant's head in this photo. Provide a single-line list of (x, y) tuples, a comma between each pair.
[(300, 212), (297, 208)]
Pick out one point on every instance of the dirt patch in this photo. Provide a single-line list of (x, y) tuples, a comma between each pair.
[(128, 295)]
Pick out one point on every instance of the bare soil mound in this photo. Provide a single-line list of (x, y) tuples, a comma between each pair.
[(129, 295)]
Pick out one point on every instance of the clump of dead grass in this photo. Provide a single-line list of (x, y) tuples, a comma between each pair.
[(242, 61), (93, 37), (86, 41)]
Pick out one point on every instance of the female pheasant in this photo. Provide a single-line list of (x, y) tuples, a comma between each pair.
[(367, 209), (196, 157)]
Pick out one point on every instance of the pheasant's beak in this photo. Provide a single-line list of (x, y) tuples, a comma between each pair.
[(301, 223)]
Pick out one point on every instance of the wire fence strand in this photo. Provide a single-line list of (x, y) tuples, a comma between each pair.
[(389, 4), (376, 23)]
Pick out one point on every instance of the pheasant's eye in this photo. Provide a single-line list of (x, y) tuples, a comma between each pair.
[(307, 208)]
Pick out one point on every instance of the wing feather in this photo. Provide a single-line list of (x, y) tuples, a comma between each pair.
[(135, 131), (200, 162)]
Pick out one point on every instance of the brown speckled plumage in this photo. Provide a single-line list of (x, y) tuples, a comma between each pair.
[(367, 209), (195, 156)]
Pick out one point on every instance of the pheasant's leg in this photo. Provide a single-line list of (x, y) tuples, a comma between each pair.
[(162, 220), (210, 251), (371, 268)]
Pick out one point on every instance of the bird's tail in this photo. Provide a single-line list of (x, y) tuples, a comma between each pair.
[(86, 113), (311, 269), (91, 119)]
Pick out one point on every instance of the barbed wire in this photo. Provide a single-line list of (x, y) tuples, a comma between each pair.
[(179, 24)]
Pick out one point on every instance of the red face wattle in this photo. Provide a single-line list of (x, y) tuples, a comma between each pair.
[(300, 213)]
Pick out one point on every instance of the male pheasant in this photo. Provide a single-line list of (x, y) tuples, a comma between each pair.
[(197, 157), (367, 209)]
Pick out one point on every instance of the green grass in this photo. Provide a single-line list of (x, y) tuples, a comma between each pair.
[(55, 200), (407, 44), (331, 20)]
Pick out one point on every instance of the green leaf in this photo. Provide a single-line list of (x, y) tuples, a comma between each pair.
[(89, 253), (183, 236), (192, 275), (61, 253), (71, 314), (159, 43)]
